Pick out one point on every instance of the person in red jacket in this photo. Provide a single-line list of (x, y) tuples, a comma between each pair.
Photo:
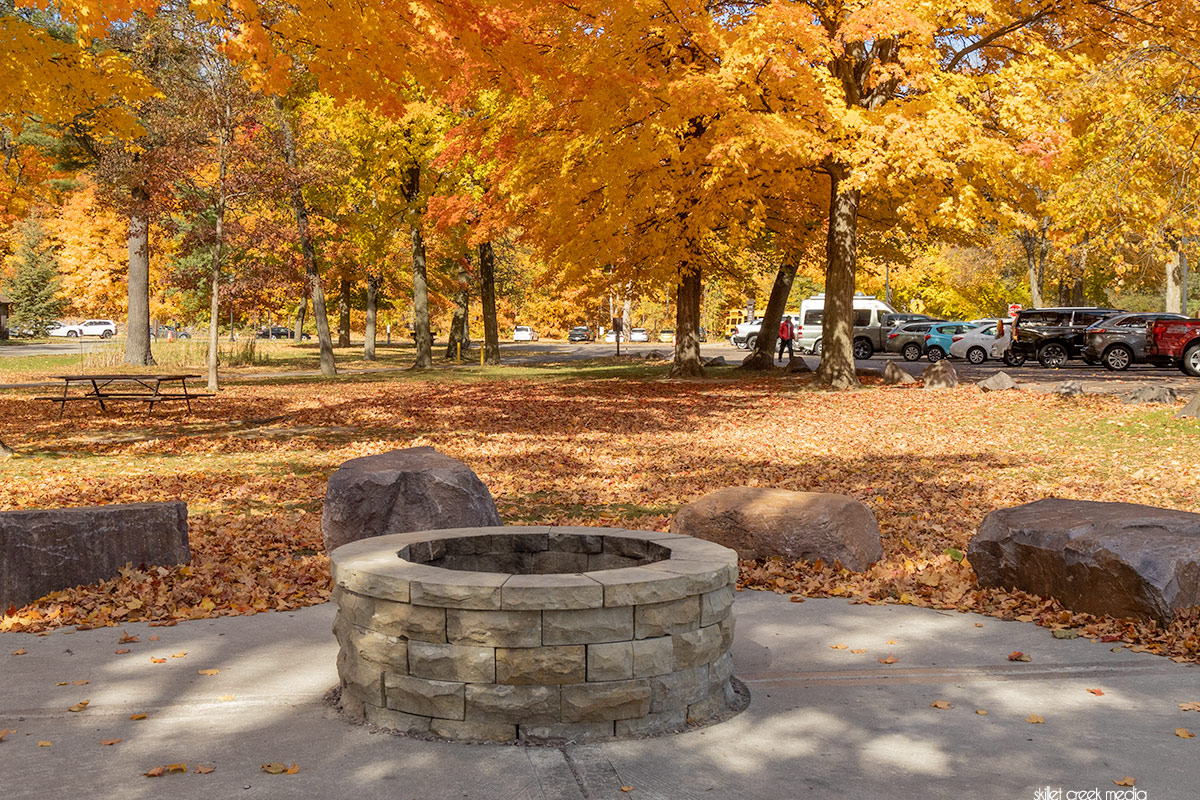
[(786, 334)]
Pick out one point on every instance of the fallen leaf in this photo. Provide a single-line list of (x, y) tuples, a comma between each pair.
[(1189, 706), (796, 598), (152, 639), (137, 716), (293, 769), (1126, 781), (1017, 655), (207, 671), (858, 652), (225, 698), (5, 732), (122, 651), (626, 788), (204, 770), (19, 652), (891, 659), (891, 641), (63, 683), (154, 660), (1064, 634), (79, 683), (44, 743), (155, 772), (177, 768), (954, 553), (179, 655), (981, 712), (942, 704), (80, 706), (274, 768), (127, 638), (109, 742), (838, 646), (1184, 733), (1097, 692), (978, 624), (1035, 719)]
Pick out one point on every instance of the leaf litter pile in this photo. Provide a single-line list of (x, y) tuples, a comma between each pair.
[(252, 467)]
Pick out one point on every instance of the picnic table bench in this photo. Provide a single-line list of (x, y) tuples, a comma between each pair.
[(141, 388)]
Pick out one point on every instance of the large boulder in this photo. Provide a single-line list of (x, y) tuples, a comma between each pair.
[(417, 489), (1121, 559), (1151, 394), (46, 550), (1068, 389), (759, 523), (1191, 410), (940, 375), (893, 375), (1000, 382)]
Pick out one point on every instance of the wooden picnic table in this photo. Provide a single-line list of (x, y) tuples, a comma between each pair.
[(120, 387)]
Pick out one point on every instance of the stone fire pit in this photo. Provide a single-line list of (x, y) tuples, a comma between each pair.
[(535, 633)]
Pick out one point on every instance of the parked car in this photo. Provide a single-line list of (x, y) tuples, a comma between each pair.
[(280, 332), (1174, 342), (169, 332), (869, 332), (745, 334), (580, 333), (908, 339), (1119, 341), (667, 336), (1055, 335), (975, 344), (1002, 344), (104, 328), (611, 336), (940, 336), (639, 335), (896, 320), (524, 333)]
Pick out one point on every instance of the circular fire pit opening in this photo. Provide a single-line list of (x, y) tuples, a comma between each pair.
[(535, 633)]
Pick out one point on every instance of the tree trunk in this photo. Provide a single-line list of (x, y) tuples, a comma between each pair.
[(219, 232), (687, 323), (458, 327), (301, 313), (372, 306), (763, 356), (312, 274), (344, 313), (421, 301), (487, 295), (841, 249), (1077, 279), (137, 335), (1029, 243), (1175, 281)]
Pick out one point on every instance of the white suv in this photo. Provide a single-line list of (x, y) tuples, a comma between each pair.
[(104, 328)]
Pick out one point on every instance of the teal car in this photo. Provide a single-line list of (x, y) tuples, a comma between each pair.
[(939, 337)]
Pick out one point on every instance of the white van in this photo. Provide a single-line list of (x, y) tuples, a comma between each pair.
[(869, 331)]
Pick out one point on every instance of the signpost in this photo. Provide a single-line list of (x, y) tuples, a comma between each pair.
[(617, 322), (1013, 309)]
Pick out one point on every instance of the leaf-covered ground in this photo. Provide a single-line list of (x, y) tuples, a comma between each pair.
[(252, 466)]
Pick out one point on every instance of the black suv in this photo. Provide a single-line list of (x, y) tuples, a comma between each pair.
[(1119, 341), (1054, 335), (580, 333)]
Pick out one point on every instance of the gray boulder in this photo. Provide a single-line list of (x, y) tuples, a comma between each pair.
[(759, 523), (654, 355), (1068, 389), (46, 550), (893, 375), (1191, 410), (1151, 394), (1120, 559), (716, 361), (999, 382), (417, 489), (940, 375)]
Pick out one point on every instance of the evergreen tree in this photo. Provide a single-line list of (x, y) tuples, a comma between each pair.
[(35, 288)]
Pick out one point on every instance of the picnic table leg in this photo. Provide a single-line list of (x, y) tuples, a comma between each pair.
[(186, 397), (99, 397), (62, 404), (157, 387)]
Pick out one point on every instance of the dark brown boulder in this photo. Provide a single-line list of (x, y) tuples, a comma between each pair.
[(759, 523), (417, 489), (1120, 559)]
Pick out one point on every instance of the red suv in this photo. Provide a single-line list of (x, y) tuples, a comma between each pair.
[(1174, 342)]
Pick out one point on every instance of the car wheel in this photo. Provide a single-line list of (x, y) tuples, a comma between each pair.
[(863, 349), (1191, 361), (72, 334), (935, 354), (818, 347), (977, 355), (1052, 355), (751, 340), (106, 335), (911, 352), (1013, 359), (1118, 357)]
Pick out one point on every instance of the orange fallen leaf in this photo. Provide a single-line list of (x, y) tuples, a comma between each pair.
[(5, 732), (152, 639), (276, 768), (127, 638), (177, 768), (204, 770), (1126, 781), (207, 671), (1017, 655), (293, 769), (137, 716), (225, 698), (19, 652), (80, 706), (1184, 733), (838, 646), (891, 641), (796, 598), (44, 743), (1189, 706), (122, 651), (1035, 719), (179, 655), (1097, 692), (978, 624), (858, 652), (942, 704), (79, 683), (891, 659), (109, 742), (626, 788), (154, 660), (981, 712), (155, 772)]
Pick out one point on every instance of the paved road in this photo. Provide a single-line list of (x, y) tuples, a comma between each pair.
[(822, 722), (51, 348)]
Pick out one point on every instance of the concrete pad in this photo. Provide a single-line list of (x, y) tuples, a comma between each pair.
[(822, 723)]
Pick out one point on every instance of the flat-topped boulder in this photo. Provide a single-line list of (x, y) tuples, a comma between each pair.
[(416, 489), (759, 523), (1120, 559), (45, 550)]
